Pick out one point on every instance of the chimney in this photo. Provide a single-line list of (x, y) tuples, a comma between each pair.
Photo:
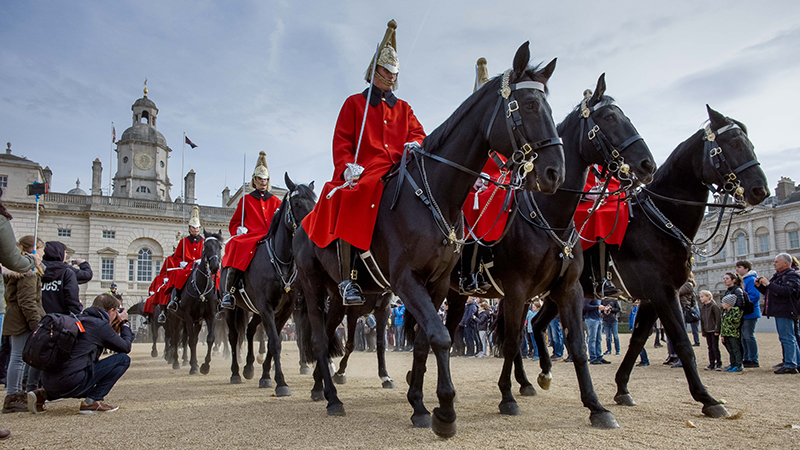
[(226, 197), (8, 148), (48, 175), (97, 177), (785, 188), (189, 187)]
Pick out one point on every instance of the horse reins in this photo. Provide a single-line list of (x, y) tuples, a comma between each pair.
[(209, 276), (277, 263)]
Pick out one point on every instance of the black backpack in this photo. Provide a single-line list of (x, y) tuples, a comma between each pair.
[(50, 344)]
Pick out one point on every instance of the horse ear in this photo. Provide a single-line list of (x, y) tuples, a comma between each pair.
[(548, 70), (717, 119), (521, 59), (311, 185), (599, 90), (288, 181), (220, 232)]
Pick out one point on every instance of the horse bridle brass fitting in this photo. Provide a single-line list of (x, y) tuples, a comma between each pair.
[(729, 182)]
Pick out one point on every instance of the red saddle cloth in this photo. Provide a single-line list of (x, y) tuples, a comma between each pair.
[(609, 221), (486, 216)]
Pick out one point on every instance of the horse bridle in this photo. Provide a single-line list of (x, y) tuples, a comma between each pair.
[(209, 276), (277, 263), (728, 183)]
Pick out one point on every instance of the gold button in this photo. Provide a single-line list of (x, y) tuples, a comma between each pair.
[(385, 121), (386, 145), (373, 205)]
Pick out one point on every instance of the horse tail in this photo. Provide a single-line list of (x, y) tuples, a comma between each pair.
[(410, 326), (303, 331), (335, 347), (497, 327)]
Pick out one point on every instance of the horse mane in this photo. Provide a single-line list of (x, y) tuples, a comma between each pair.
[(440, 134), (300, 189)]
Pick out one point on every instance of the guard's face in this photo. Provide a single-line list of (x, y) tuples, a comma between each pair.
[(389, 76), (261, 183), (194, 231)]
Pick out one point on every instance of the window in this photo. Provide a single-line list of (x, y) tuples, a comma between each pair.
[(763, 244), (109, 234), (701, 258), (143, 189), (3, 181), (106, 269), (158, 267), (741, 245), (130, 270), (794, 239), (144, 269), (64, 232)]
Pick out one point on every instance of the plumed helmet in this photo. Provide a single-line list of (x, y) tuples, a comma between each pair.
[(481, 74), (387, 53), (261, 170), (194, 221)]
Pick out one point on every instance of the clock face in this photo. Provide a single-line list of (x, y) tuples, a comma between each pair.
[(143, 161)]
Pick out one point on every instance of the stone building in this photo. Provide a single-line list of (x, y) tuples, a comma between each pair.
[(757, 236), (124, 236)]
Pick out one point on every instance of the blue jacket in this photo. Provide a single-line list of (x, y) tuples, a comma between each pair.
[(751, 291), (398, 314), (590, 310), (470, 310), (632, 317)]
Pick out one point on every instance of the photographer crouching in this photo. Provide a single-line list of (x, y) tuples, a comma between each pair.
[(84, 375)]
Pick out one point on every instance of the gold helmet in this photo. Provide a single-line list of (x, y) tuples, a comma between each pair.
[(481, 74), (387, 54), (261, 170), (194, 221)]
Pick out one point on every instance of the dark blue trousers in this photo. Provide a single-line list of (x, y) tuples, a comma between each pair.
[(104, 376)]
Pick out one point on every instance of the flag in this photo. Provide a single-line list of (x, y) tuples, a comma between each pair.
[(189, 141), (113, 133)]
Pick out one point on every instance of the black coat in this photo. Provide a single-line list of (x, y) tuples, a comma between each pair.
[(782, 294), (60, 289), (90, 344), (83, 272)]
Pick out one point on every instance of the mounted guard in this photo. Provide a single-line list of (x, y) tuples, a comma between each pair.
[(179, 265), (249, 225), (369, 138)]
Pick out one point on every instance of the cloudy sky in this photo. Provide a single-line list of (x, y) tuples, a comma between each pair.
[(238, 77)]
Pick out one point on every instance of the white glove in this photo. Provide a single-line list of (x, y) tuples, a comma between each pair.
[(183, 264), (353, 172), (241, 230), (413, 145)]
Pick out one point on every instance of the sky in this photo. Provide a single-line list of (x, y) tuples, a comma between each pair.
[(243, 76)]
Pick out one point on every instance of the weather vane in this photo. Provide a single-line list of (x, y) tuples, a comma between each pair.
[(145, 86)]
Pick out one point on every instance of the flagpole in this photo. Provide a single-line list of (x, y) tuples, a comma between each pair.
[(110, 158), (183, 195), (244, 186)]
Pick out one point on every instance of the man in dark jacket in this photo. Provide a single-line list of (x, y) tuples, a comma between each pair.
[(84, 374), (468, 325), (781, 298), (83, 271), (59, 282)]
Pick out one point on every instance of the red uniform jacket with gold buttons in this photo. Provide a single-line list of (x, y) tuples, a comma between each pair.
[(259, 207), (488, 207), (189, 249), (350, 214)]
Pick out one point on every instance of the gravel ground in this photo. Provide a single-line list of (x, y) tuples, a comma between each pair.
[(162, 408)]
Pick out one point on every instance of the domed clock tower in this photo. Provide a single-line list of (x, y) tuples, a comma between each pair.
[(143, 156)]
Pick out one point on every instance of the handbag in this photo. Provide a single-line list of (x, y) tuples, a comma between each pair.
[(690, 315)]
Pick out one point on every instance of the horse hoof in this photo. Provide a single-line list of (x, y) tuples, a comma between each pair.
[(175, 366), (305, 371), (339, 379), (265, 383), (154, 353), (282, 391), (193, 371), (261, 358), (544, 381), (421, 420), (715, 411), (510, 409), (317, 396), (527, 391), (408, 378), (443, 429), (336, 410), (603, 420), (624, 400), (236, 379), (248, 372), (389, 384), (185, 363)]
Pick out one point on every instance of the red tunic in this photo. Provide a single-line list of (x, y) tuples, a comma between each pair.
[(350, 214), (493, 221), (189, 249), (157, 292), (259, 207), (602, 222)]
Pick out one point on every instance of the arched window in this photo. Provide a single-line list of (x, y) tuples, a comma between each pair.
[(143, 189), (792, 235), (144, 265), (741, 244), (145, 117), (762, 239)]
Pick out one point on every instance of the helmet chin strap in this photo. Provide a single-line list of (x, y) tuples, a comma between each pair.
[(384, 80)]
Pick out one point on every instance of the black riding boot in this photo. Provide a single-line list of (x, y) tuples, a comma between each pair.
[(472, 280), (229, 288), (173, 300), (348, 288), (606, 286)]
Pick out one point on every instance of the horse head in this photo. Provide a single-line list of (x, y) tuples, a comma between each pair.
[(212, 250), (301, 200), (609, 138), (528, 137), (729, 160)]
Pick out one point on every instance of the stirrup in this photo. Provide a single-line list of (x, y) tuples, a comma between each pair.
[(172, 305), (227, 301), (351, 293), (162, 318), (470, 285), (608, 290)]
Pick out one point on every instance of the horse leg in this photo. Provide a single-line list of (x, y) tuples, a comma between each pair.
[(571, 308), (513, 306), (274, 343), (317, 392), (210, 339), (262, 347), (421, 417), (380, 343), (319, 341), (540, 322), (340, 376), (233, 338), (192, 335), (671, 315), (174, 343), (645, 319), (154, 333), (251, 331)]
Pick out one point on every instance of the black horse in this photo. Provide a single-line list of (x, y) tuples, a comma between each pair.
[(198, 302), (539, 253), (416, 243), (655, 258), (268, 283), (377, 304)]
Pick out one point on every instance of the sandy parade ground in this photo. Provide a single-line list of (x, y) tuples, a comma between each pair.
[(162, 408)]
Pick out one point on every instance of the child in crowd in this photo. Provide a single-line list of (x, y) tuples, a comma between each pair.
[(731, 331), (710, 325)]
